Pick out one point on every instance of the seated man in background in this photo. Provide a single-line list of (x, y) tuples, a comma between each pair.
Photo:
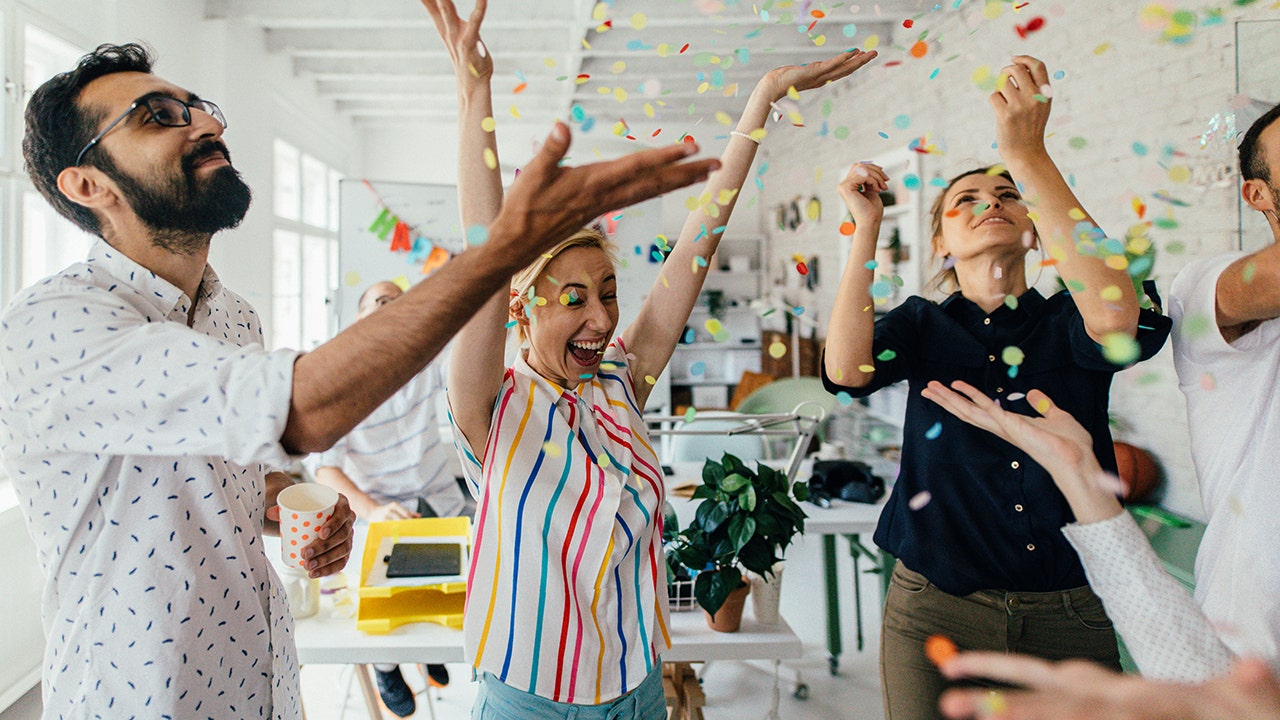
[(390, 462)]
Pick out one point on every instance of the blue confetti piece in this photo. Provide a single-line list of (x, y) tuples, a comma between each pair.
[(849, 30), (688, 335), (1059, 75), (477, 234), (933, 432), (699, 368), (911, 181), (844, 398), (934, 74), (588, 124), (871, 265), (902, 122), (1139, 149), (1013, 371), (883, 135), (938, 182), (578, 114)]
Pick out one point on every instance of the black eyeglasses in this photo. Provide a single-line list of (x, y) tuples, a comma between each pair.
[(165, 110)]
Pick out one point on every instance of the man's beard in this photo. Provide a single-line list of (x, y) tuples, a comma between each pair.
[(183, 210)]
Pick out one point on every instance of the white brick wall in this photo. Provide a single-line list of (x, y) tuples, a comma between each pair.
[(1140, 90)]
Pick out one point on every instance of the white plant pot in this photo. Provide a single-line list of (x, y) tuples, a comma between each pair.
[(766, 596)]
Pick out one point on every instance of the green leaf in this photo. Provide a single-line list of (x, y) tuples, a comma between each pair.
[(712, 473), (733, 465), (734, 482), (741, 529), (703, 491), (747, 498), (712, 587), (801, 491)]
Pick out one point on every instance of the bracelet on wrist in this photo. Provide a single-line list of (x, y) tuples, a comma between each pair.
[(741, 134)]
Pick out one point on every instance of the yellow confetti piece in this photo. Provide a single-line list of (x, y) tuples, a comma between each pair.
[(820, 40), (691, 204), (1111, 293), (726, 195), (650, 379), (619, 94), (552, 449), (351, 279), (618, 67), (648, 110), (603, 461), (1043, 406), (1013, 356), (793, 93), (488, 124), (490, 160), (638, 21), (600, 11), (1180, 173), (758, 134), (1076, 214), (1120, 349), (1102, 48), (796, 118), (872, 43), (777, 349), (713, 326), (1117, 262), (549, 62), (993, 10), (515, 112), (619, 128), (566, 298), (723, 118), (867, 368), (602, 90)]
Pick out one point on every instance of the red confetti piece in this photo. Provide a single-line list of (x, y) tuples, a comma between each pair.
[(817, 13), (689, 139), (520, 88), (684, 47), (892, 63), (1025, 30), (584, 77), (802, 268), (812, 25), (908, 23), (847, 228), (655, 132), (951, 213)]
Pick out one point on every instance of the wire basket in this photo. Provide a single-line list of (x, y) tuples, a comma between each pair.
[(680, 595)]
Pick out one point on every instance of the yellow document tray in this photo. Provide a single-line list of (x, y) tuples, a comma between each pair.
[(383, 609)]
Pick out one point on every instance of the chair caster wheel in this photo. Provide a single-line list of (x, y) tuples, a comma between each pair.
[(802, 692)]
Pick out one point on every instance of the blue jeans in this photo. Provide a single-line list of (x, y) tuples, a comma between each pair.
[(496, 700)]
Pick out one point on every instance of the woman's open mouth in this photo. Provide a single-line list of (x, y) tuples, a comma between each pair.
[(586, 354)]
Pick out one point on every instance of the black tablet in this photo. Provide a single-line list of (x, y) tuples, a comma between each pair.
[(424, 560)]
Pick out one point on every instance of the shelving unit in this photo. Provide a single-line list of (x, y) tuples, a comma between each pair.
[(705, 372)]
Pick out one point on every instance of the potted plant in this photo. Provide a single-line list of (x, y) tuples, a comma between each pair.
[(746, 519)]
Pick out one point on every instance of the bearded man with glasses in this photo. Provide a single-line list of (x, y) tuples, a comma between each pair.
[(141, 419)]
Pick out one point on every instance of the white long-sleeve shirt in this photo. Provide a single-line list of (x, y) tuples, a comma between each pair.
[(137, 448), (1165, 631)]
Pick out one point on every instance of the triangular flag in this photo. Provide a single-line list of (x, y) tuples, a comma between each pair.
[(400, 238), (438, 257)]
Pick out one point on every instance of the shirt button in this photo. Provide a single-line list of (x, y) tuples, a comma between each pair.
[(991, 358), (999, 389), (1014, 465), (1014, 602), (1031, 546), (1018, 507), (986, 321)]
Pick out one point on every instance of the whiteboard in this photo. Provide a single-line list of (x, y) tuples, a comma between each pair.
[(429, 211)]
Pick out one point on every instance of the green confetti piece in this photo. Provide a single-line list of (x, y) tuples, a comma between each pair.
[(1120, 349), (886, 355), (1011, 302), (1013, 356)]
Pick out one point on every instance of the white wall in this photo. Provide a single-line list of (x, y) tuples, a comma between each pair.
[(1138, 90)]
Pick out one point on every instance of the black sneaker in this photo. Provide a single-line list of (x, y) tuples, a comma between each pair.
[(437, 676), (395, 692)]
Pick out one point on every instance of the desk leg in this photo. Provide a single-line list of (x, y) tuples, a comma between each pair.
[(833, 603), (370, 694), (857, 585)]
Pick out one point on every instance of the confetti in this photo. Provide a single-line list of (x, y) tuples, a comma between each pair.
[(690, 414), (934, 431), (490, 159), (1014, 397), (847, 228), (650, 379), (488, 124), (919, 500), (886, 355), (844, 398), (802, 268), (552, 449), (1013, 356), (919, 49), (477, 234), (713, 326), (939, 649), (1120, 349), (698, 368), (866, 368), (1207, 382), (777, 350)]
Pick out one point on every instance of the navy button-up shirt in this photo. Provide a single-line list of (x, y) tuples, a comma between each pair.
[(995, 517)]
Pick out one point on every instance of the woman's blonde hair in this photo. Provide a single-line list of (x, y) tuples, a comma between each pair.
[(523, 281), (945, 281)]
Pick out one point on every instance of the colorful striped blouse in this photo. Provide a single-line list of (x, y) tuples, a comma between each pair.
[(566, 596)]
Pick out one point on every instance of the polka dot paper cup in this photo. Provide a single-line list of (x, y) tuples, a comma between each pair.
[(303, 509)]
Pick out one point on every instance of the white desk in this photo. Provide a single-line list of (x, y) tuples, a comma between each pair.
[(331, 637)]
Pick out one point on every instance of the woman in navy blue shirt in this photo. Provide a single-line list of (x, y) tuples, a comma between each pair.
[(974, 522)]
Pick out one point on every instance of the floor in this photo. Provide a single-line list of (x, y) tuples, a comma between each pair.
[(741, 691)]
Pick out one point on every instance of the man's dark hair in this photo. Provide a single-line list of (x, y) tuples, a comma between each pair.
[(57, 126), (1253, 166)]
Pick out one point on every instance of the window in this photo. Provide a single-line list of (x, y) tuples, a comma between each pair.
[(306, 249)]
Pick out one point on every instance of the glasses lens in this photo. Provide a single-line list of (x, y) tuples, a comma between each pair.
[(168, 111), (212, 109)]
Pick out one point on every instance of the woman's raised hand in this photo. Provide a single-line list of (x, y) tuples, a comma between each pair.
[(779, 81), (1022, 101), (462, 38), (860, 189)]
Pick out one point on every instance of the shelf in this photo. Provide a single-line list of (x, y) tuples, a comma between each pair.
[(894, 211), (719, 346)]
